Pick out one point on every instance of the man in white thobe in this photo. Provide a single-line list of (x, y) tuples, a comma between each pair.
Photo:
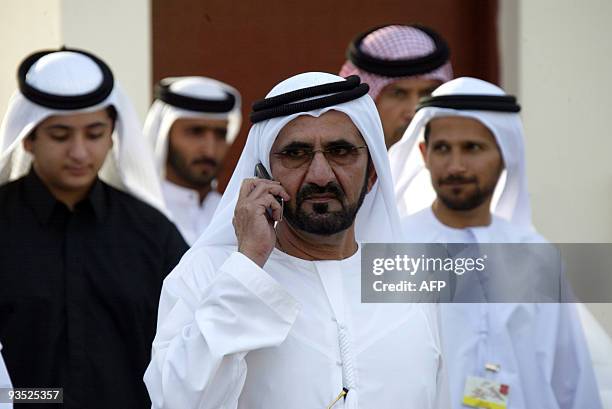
[(268, 315), (472, 145), (190, 126)]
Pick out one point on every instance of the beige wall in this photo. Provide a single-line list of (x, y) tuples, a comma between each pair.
[(565, 60), (25, 26), (509, 30), (557, 56), (117, 31)]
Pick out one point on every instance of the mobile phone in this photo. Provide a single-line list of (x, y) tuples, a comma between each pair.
[(262, 173)]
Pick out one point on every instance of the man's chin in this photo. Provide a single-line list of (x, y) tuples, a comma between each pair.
[(399, 132), (324, 224), (461, 204), (323, 227), (75, 184), (321, 208), (395, 137), (201, 179), (81, 176)]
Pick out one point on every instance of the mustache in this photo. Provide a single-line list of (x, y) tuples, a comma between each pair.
[(455, 179), (205, 160), (309, 189)]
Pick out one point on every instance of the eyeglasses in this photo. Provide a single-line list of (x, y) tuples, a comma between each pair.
[(294, 158)]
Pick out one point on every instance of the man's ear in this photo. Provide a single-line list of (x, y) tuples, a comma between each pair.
[(423, 149), (372, 176), (28, 143)]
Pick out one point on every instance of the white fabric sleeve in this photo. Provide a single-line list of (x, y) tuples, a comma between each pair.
[(573, 377), (198, 356), (600, 349), (433, 316)]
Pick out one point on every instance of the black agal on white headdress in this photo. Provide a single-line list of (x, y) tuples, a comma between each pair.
[(164, 92), (399, 67), (301, 100), (65, 100)]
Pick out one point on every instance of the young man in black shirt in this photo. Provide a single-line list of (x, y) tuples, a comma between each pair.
[(82, 260)]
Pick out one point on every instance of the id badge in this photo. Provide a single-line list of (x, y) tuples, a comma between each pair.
[(485, 393)]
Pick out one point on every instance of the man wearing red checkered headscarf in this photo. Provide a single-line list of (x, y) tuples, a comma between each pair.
[(401, 64)]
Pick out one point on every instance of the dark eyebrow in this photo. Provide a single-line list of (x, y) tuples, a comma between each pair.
[(195, 128), (440, 141), (340, 143), (206, 127), (479, 143), (297, 145), (58, 127), (96, 124), (67, 128)]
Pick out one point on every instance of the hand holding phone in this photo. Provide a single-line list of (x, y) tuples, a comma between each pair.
[(262, 173), (259, 205)]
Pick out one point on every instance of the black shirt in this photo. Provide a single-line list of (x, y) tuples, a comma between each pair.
[(79, 291)]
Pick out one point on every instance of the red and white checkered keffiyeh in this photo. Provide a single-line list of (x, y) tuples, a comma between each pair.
[(393, 43)]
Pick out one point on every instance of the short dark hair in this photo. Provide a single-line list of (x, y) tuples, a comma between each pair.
[(112, 114), (111, 111), (427, 131)]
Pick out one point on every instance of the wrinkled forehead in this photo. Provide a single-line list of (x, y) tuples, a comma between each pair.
[(329, 127)]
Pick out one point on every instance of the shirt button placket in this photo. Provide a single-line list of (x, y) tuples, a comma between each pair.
[(75, 307)]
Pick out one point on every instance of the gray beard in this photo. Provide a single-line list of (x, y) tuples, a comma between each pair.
[(321, 221)]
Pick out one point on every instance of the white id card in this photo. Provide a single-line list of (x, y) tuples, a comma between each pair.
[(485, 393)]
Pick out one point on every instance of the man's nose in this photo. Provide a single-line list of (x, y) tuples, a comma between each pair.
[(456, 164), (409, 106), (208, 143), (78, 148), (319, 171)]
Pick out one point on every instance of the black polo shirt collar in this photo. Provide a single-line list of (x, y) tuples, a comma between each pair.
[(40, 199)]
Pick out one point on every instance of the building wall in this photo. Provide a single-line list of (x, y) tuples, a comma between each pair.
[(25, 26), (556, 55), (254, 47), (117, 31), (565, 57)]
